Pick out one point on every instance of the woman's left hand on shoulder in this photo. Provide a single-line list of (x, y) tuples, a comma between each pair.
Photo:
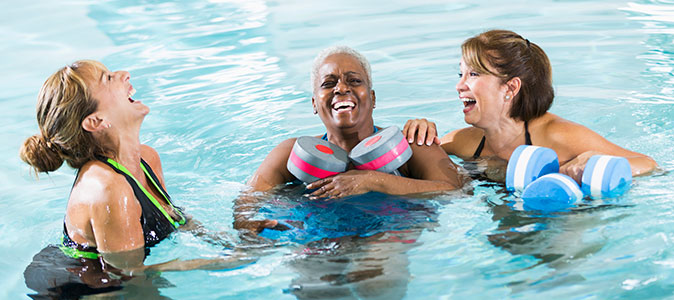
[(575, 167), (352, 182)]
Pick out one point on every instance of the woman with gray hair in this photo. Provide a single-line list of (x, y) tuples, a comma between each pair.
[(344, 99)]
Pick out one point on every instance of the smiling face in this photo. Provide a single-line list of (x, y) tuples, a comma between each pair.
[(483, 97), (113, 91), (342, 96)]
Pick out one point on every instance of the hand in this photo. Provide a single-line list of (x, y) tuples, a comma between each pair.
[(424, 130), (254, 226), (575, 167), (352, 182)]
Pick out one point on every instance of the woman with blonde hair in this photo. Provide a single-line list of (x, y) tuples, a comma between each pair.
[(118, 206)]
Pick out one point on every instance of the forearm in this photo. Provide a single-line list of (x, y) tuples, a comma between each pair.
[(397, 185), (198, 264), (642, 165)]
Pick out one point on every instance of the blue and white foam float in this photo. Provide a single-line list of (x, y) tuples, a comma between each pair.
[(533, 171), (385, 151)]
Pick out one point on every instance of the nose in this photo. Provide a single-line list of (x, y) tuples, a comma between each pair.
[(341, 87), (123, 75), (461, 85)]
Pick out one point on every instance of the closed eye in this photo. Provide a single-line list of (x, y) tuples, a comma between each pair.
[(328, 84)]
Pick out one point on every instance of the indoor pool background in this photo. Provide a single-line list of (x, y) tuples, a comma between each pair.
[(228, 80)]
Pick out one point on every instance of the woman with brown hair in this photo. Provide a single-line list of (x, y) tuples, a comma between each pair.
[(118, 206), (506, 88)]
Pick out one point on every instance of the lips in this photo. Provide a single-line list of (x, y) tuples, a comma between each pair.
[(468, 104), (132, 91)]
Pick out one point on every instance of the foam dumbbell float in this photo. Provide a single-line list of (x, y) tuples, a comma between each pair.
[(385, 151), (312, 158), (534, 171)]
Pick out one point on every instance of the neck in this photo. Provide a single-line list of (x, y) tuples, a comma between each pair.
[(505, 136), (348, 138), (127, 152)]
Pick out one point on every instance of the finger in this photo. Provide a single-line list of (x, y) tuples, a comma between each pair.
[(327, 191), (406, 127), (411, 130), (437, 140), (318, 193), (318, 183), (432, 134), (269, 223), (421, 133)]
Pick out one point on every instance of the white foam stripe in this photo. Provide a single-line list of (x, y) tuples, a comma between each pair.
[(521, 167), (598, 175), (569, 183)]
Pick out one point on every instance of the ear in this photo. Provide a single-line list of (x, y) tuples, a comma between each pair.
[(374, 98), (93, 123), (513, 87), (313, 103)]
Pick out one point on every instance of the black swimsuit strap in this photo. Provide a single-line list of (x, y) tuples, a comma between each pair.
[(527, 141), (478, 151), (527, 136)]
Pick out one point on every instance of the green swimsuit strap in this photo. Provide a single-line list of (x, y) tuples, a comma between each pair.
[(149, 196)]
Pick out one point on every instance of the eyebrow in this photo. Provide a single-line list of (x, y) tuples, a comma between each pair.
[(347, 73)]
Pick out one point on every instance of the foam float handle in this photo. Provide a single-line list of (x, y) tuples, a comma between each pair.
[(527, 163), (312, 159)]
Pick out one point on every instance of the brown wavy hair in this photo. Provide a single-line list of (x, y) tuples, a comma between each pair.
[(510, 55), (63, 103)]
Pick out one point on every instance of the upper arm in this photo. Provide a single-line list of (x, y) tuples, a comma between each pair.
[(115, 219), (570, 139), (432, 163), (273, 170)]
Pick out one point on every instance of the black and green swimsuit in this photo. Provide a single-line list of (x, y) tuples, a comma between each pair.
[(156, 222), (53, 276)]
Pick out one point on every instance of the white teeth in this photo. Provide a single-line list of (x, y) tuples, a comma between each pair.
[(468, 100), (132, 92), (343, 104)]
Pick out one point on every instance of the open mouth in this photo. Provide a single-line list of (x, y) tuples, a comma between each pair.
[(468, 102), (132, 91), (343, 106)]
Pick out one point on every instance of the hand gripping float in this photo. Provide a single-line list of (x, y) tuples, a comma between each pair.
[(534, 171)]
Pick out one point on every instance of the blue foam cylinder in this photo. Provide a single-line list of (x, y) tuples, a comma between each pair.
[(551, 192), (606, 176), (527, 163)]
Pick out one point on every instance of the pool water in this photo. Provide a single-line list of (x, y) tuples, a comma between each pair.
[(226, 81)]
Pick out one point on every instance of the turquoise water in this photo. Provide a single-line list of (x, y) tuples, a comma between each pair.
[(228, 80)]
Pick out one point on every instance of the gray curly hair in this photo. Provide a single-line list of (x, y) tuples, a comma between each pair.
[(340, 50)]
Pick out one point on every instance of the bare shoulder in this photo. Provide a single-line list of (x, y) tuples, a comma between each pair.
[(462, 142), (553, 130), (99, 195), (287, 144), (273, 169), (99, 184), (150, 156)]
